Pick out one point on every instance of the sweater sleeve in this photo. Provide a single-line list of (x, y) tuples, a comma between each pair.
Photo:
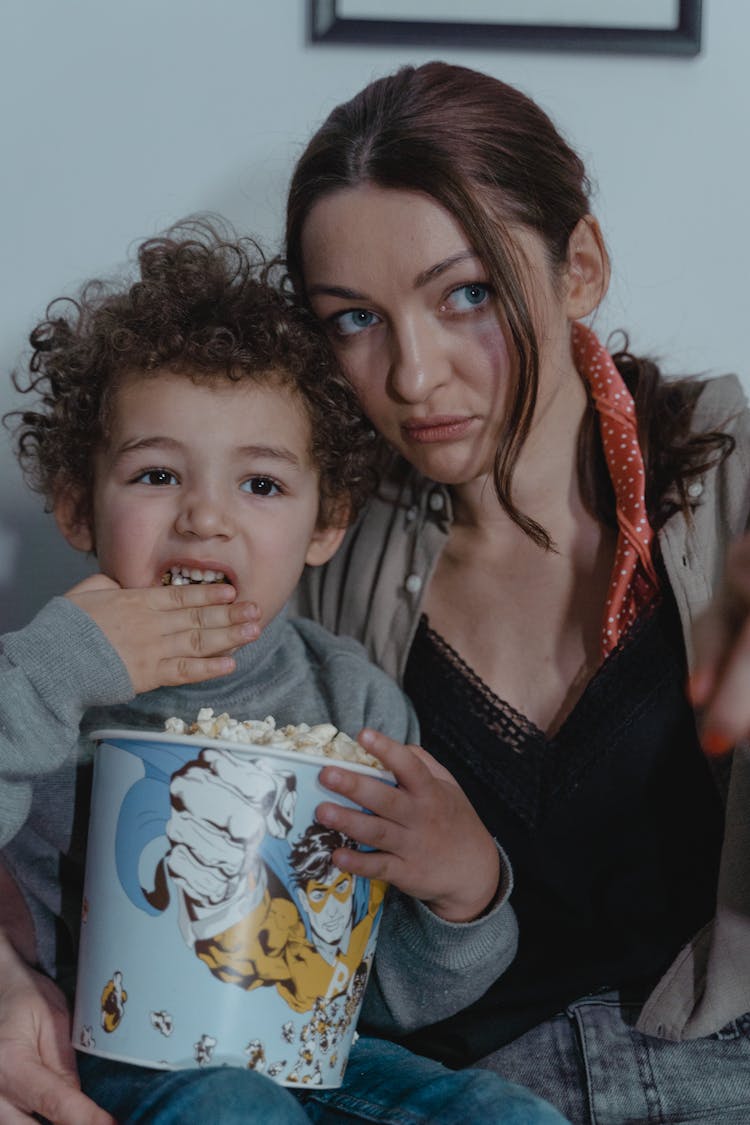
[(427, 969), (50, 672)]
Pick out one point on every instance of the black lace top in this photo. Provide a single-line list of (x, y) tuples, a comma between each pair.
[(613, 825)]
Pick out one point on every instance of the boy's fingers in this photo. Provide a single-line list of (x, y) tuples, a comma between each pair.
[(206, 617), (372, 831), (212, 642), (369, 865), (392, 803), (194, 594), (407, 766)]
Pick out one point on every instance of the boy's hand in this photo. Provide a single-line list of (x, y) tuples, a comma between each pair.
[(37, 1064), (429, 841), (169, 635)]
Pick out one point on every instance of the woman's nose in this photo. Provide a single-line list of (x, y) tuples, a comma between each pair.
[(203, 514), (418, 364)]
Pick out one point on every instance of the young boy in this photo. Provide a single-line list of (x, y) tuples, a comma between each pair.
[(193, 432)]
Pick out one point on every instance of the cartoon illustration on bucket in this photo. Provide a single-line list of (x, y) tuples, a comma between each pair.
[(223, 881)]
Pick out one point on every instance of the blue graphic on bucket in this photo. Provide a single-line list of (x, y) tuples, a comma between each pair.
[(216, 929)]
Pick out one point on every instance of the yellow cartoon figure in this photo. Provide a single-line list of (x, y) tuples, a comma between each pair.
[(308, 942), (270, 946), (113, 1001)]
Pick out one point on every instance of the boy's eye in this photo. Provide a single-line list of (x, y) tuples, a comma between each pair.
[(156, 476), (468, 296), (260, 486), (352, 321)]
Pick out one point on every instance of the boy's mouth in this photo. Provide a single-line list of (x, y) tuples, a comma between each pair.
[(187, 575)]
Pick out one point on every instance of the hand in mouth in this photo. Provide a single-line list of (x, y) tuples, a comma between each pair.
[(187, 575)]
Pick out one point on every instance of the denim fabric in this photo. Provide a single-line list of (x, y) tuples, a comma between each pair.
[(384, 1083), (597, 1069)]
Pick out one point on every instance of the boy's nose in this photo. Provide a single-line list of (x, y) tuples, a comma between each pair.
[(203, 515)]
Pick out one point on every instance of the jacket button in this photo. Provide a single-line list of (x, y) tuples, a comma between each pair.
[(413, 584), (695, 489)]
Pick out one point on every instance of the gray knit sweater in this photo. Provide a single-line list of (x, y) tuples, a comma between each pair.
[(60, 678)]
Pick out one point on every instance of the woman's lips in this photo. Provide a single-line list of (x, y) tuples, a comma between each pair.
[(441, 427)]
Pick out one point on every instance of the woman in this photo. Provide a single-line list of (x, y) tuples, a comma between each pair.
[(441, 228), (552, 521)]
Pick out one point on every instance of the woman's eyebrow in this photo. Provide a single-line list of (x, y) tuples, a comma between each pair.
[(335, 291), (422, 278), (440, 267)]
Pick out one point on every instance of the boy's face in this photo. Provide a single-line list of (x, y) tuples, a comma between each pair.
[(211, 477)]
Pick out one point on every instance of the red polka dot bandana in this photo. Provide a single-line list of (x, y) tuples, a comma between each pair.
[(634, 584)]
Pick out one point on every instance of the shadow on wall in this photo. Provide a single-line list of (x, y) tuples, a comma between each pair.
[(35, 564)]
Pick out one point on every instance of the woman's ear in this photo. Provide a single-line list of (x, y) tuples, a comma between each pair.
[(75, 529), (587, 272)]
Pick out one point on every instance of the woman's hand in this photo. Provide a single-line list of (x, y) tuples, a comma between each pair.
[(37, 1063), (428, 840), (169, 634), (719, 685)]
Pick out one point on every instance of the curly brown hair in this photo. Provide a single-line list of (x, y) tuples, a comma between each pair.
[(205, 304)]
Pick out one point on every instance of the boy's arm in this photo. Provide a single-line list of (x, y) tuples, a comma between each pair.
[(50, 672), (427, 969)]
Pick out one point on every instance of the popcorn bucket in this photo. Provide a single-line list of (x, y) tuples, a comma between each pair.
[(215, 928)]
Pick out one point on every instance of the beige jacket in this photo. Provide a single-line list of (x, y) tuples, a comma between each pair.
[(373, 590)]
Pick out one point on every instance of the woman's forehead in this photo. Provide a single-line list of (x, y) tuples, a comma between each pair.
[(353, 229)]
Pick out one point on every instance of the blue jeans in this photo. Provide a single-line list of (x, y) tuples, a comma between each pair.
[(597, 1069), (384, 1083)]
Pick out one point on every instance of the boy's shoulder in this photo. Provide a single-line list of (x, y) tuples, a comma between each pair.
[(323, 645), (357, 691)]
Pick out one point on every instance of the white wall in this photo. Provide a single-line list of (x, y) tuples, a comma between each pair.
[(119, 118)]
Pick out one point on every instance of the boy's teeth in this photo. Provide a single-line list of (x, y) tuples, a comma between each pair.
[(184, 575)]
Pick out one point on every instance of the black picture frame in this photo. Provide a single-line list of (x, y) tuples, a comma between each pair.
[(327, 25)]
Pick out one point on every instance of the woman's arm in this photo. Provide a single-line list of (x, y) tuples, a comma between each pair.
[(37, 1063)]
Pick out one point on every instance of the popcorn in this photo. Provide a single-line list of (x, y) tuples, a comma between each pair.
[(323, 739)]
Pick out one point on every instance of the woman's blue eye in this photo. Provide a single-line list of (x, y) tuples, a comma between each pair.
[(352, 321), (260, 486), (469, 296), (156, 477)]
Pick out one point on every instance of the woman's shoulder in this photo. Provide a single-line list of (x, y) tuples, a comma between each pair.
[(721, 405)]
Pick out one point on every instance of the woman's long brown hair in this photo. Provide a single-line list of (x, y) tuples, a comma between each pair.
[(493, 159)]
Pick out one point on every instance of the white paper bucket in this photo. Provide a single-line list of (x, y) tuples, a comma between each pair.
[(215, 928)]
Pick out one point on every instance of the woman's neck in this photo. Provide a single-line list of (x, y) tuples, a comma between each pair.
[(546, 485)]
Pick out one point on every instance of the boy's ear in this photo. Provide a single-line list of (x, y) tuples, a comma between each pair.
[(73, 527), (588, 268), (324, 545)]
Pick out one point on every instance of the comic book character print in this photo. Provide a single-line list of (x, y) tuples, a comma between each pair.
[(274, 946), (257, 909)]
